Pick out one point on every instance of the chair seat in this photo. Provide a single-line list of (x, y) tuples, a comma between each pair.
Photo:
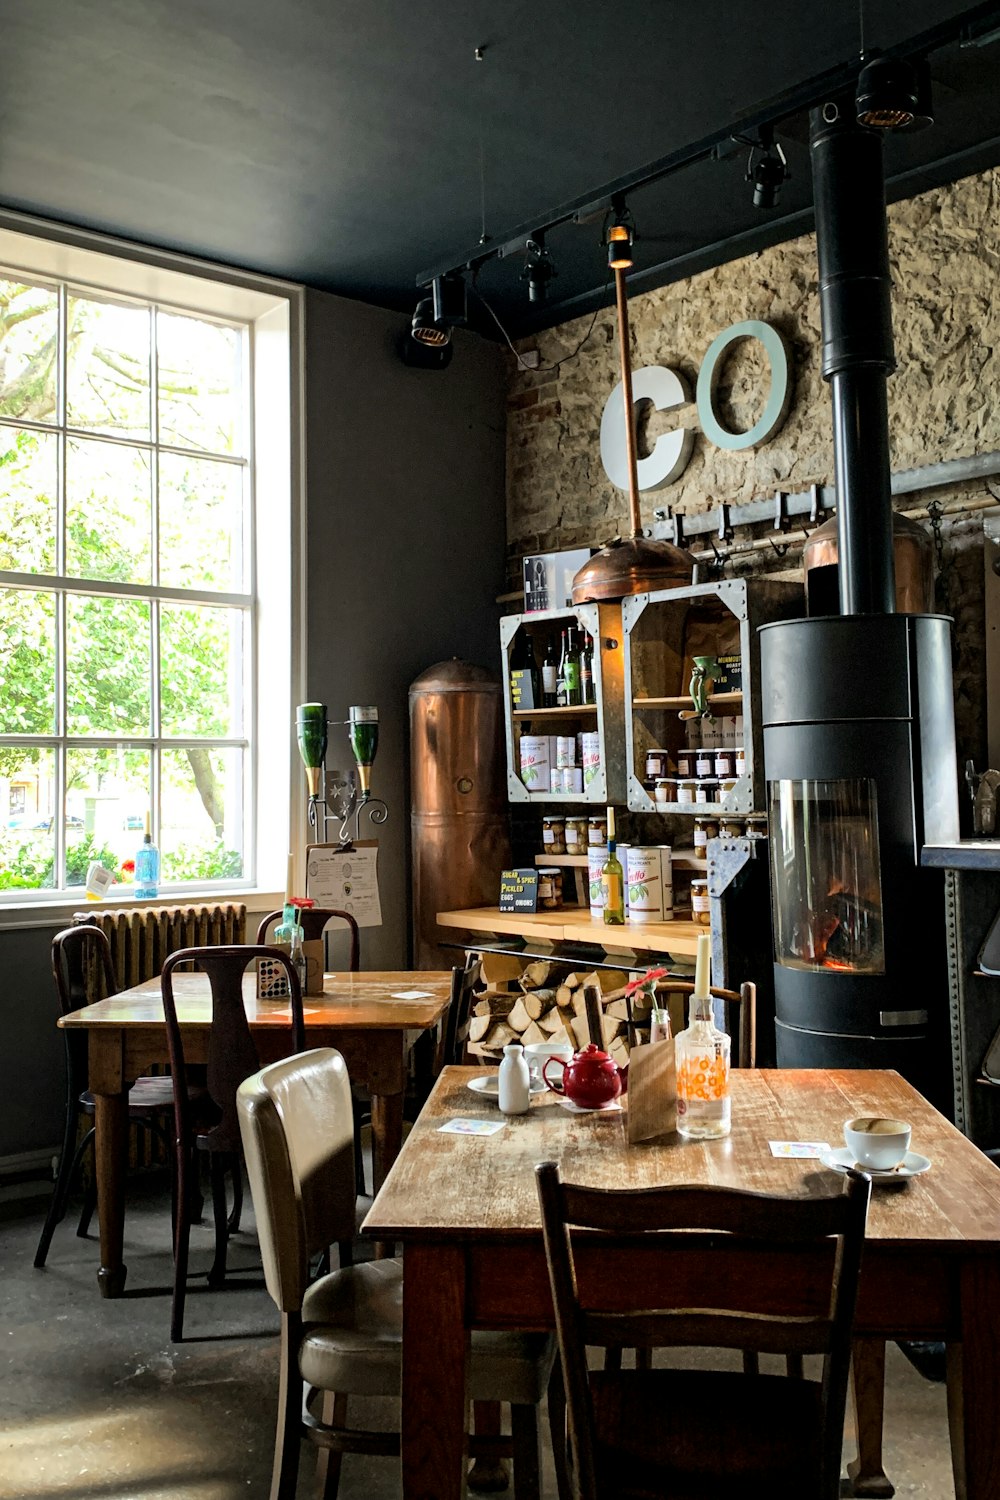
[(353, 1340), (704, 1434), (147, 1096)]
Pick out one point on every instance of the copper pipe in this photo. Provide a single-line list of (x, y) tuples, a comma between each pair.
[(626, 364)]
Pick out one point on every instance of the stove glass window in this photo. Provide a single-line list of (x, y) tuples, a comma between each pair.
[(825, 877)]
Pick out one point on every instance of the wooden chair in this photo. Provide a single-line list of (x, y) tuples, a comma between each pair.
[(774, 1274), (212, 1126), (454, 1033), (313, 920), (81, 960), (342, 1335)]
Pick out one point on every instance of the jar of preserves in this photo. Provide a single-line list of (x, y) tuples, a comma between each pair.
[(700, 910), (596, 832), (664, 792), (553, 835), (549, 888), (657, 764), (741, 760), (725, 764), (706, 790), (686, 762), (704, 829), (576, 835), (731, 828), (686, 791), (704, 764)]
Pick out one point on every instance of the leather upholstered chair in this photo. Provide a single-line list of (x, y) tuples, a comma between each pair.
[(341, 1336)]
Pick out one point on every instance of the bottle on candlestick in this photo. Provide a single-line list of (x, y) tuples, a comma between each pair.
[(310, 728), (363, 731), (704, 1107)]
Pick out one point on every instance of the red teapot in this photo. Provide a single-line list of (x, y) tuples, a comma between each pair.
[(591, 1080)]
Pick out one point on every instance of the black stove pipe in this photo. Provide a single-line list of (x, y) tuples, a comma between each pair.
[(855, 289)]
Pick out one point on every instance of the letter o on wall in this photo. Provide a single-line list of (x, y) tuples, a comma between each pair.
[(669, 458), (779, 396)]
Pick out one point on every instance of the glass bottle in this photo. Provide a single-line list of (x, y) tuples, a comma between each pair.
[(703, 1099), (310, 728), (514, 1081), (147, 866), (587, 692), (572, 671), (613, 880), (363, 734), (550, 675), (561, 684)]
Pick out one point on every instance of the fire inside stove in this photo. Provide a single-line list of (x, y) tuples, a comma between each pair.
[(825, 878)]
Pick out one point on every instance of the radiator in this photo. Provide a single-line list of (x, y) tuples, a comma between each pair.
[(141, 938)]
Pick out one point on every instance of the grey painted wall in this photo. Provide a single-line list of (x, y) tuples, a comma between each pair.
[(405, 526), (406, 543)]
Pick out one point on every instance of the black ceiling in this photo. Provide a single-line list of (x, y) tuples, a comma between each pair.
[(340, 144)]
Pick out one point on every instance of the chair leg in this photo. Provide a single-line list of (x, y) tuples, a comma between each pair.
[(866, 1476), (217, 1275), (87, 1211), (328, 1462), (182, 1239), (527, 1455), (287, 1438), (556, 1400), (487, 1475), (237, 1213), (69, 1161)]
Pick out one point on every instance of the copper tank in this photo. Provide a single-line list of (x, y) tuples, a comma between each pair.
[(913, 554), (458, 803)]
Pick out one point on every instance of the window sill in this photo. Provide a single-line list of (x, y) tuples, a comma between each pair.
[(59, 912)]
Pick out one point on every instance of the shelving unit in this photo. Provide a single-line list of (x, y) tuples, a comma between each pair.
[(662, 633), (678, 938), (603, 623)]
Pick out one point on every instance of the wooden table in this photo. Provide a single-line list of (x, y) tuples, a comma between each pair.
[(359, 1014), (466, 1212)]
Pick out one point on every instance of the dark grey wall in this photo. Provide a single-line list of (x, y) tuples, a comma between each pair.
[(406, 543)]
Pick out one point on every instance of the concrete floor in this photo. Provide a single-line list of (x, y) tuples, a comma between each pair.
[(96, 1403)]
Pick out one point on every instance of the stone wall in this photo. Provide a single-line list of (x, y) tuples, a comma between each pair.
[(945, 250)]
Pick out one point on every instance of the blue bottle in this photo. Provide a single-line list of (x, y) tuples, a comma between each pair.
[(147, 866)]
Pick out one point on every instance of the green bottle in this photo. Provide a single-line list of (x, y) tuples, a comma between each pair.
[(613, 880), (363, 732), (574, 696), (310, 727)]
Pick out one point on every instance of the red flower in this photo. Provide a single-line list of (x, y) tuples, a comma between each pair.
[(128, 866), (650, 977)]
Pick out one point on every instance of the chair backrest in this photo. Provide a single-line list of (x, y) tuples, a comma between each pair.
[(313, 920), (81, 957), (232, 1053), (456, 1026), (297, 1125), (772, 1275), (746, 1030)]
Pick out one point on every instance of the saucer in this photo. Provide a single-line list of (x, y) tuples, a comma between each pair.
[(489, 1084), (841, 1160)]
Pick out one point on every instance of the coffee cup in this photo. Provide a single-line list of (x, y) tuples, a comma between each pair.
[(536, 1054), (877, 1143)]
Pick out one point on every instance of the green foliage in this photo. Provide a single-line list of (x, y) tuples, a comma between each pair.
[(29, 864), (202, 862)]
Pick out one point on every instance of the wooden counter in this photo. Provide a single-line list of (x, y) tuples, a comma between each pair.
[(572, 925)]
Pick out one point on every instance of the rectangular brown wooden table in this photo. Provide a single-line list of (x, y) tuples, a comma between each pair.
[(466, 1211), (359, 1014)]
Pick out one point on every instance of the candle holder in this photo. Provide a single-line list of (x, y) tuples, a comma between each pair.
[(341, 798)]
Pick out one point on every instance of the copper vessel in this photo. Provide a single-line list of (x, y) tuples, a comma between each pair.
[(913, 554), (634, 564), (458, 803)]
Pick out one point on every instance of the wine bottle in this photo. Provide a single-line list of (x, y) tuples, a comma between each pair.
[(561, 684), (587, 692), (550, 675), (573, 697), (704, 1107), (613, 880)]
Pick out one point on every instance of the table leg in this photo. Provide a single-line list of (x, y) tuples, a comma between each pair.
[(435, 1350), (110, 1139), (387, 1133), (974, 1382), (865, 1473)]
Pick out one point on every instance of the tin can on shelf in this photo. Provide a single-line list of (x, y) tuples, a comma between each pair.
[(535, 761), (686, 762), (565, 750), (657, 764), (596, 831), (549, 887), (553, 835), (706, 790), (597, 858), (572, 779), (576, 835), (725, 764), (590, 755), (555, 779), (686, 791), (700, 909), (704, 764)]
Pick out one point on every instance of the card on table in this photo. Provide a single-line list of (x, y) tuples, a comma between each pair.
[(412, 995), (471, 1127), (799, 1150)]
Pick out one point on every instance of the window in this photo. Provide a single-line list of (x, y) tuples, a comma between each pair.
[(128, 612)]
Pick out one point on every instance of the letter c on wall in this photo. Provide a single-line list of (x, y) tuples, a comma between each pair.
[(669, 458), (779, 396)]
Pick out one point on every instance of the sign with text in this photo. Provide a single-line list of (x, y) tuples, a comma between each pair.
[(519, 891)]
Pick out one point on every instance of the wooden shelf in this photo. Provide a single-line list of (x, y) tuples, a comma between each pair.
[(683, 700), (578, 926), (554, 713), (566, 861)]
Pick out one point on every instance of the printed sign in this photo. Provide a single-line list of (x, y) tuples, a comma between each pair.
[(519, 891)]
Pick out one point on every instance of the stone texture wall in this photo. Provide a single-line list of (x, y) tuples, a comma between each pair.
[(945, 250)]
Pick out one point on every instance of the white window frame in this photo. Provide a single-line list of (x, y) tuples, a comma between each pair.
[(273, 312)]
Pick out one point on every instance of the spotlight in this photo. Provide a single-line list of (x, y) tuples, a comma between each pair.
[(620, 236), (539, 270), (450, 307), (768, 171), (425, 329), (887, 96)]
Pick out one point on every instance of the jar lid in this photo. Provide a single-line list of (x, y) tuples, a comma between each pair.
[(549, 870), (699, 882)]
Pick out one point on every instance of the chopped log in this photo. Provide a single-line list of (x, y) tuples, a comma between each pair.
[(479, 1026), (606, 979), (619, 1010), (618, 1050), (533, 1033), (494, 1005), (538, 1001), (499, 1036), (519, 1018), (535, 974), (612, 1029), (550, 1021), (564, 997), (573, 981), (499, 969)]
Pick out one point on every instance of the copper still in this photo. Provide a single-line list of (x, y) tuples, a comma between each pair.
[(913, 555), (458, 803)]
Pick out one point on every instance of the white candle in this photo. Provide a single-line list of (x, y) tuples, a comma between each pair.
[(703, 967), (290, 879)]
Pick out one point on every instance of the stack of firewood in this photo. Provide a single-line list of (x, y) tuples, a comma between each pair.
[(542, 1002)]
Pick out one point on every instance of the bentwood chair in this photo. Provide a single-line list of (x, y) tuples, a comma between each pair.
[(746, 1019), (210, 1125), (753, 1271), (82, 967), (313, 920), (341, 1337)]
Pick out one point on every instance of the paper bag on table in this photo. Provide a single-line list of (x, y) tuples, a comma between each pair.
[(652, 1092)]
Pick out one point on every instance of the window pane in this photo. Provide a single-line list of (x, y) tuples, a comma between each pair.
[(107, 798), (201, 524), (27, 662), (107, 665), (201, 670), (29, 321), (27, 827), (202, 796), (200, 387), (28, 480), (108, 512), (107, 367)]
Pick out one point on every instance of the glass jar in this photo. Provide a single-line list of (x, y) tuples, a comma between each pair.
[(686, 791), (549, 888), (596, 832), (700, 909), (553, 835), (657, 764), (731, 828), (704, 764), (576, 835), (741, 760), (725, 764), (663, 792), (704, 829), (686, 762), (706, 790)]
